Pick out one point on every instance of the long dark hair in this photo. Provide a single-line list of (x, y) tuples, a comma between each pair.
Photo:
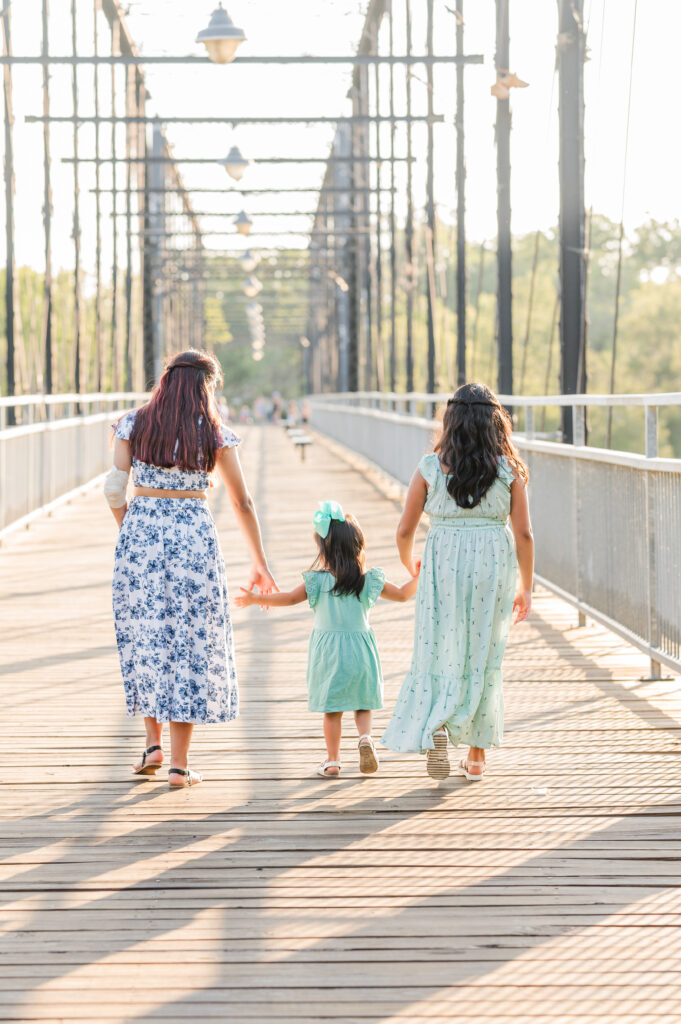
[(179, 425), (476, 432), (342, 552)]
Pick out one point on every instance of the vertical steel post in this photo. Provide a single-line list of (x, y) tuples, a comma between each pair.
[(9, 209), (129, 109), (409, 227), (571, 54), (365, 151), (380, 356), (155, 247), (115, 368), (76, 208), (48, 379), (504, 262), (98, 215), (430, 207), (652, 519), (393, 249), (460, 205)]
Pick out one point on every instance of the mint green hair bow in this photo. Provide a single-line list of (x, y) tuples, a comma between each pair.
[(328, 510)]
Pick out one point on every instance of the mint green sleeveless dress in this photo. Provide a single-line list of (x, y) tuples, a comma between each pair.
[(343, 667), (464, 604)]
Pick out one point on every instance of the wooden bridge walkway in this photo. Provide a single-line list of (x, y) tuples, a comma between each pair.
[(548, 893)]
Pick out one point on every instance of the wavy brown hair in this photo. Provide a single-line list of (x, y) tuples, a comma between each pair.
[(180, 425), (476, 432), (343, 553)]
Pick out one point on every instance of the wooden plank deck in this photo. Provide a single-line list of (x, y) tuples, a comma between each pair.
[(549, 892)]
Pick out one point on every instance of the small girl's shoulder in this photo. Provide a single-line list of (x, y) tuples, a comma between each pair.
[(374, 581), (429, 467), (314, 584)]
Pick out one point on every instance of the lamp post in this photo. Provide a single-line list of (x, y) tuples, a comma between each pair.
[(252, 287), (235, 163), (221, 37), (243, 223), (248, 262)]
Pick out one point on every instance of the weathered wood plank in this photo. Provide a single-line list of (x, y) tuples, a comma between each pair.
[(269, 895)]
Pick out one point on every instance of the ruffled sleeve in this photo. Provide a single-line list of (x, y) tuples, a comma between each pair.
[(123, 427), (228, 439), (428, 468), (374, 581), (504, 471), (312, 582)]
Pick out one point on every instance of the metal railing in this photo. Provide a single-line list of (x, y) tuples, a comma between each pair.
[(46, 459), (607, 524)]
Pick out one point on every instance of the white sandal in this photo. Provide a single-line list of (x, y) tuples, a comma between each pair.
[(189, 778), (324, 774), (437, 760), (463, 769), (368, 758)]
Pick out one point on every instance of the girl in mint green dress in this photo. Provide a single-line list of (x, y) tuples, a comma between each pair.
[(472, 487), (343, 669)]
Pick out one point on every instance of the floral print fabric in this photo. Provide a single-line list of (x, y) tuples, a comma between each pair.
[(463, 614), (170, 602)]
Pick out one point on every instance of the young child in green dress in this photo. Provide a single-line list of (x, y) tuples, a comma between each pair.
[(473, 488), (343, 669)]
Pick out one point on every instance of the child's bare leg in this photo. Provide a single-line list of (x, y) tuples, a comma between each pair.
[(333, 726), (363, 722), (476, 754), (368, 760)]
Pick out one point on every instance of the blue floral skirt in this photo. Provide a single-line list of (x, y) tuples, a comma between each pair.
[(171, 613)]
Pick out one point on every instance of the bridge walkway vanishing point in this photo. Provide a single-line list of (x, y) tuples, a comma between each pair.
[(546, 893)]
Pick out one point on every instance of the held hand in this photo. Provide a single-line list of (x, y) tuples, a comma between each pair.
[(522, 605), (245, 599), (262, 578)]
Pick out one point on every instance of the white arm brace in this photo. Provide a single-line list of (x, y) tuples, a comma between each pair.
[(115, 487)]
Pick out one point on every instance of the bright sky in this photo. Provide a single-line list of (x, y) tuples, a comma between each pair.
[(333, 27)]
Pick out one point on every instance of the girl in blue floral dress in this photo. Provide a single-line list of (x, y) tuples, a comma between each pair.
[(343, 667), (170, 603), (471, 486)]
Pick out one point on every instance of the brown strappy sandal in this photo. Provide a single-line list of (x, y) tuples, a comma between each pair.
[(152, 767)]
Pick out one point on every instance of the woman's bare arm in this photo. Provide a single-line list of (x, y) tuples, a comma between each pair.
[(229, 469), (122, 460), (524, 543), (409, 521)]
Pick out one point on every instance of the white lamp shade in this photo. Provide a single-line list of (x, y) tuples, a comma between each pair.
[(243, 223), (235, 163), (252, 287), (248, 262), (221, 38)]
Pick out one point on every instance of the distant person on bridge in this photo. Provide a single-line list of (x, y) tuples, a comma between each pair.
[(170, 605), (469, 486)]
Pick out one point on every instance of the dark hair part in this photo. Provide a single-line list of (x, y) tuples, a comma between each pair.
[(342, 553), (476, 432), (180, 425)]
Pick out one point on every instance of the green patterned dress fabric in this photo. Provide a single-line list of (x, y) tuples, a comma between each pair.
[(464, 604)]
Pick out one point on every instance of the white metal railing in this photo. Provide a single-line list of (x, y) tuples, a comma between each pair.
[(46, 459), (607, 524)]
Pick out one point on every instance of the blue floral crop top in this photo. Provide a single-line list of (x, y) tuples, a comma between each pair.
[(173, 478)]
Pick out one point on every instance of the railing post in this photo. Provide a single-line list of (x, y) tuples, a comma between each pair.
[(651, 432), (579, 423), (529, 422)]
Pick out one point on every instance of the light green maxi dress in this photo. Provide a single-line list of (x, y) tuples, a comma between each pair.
[(343, 667), (464, 604)]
